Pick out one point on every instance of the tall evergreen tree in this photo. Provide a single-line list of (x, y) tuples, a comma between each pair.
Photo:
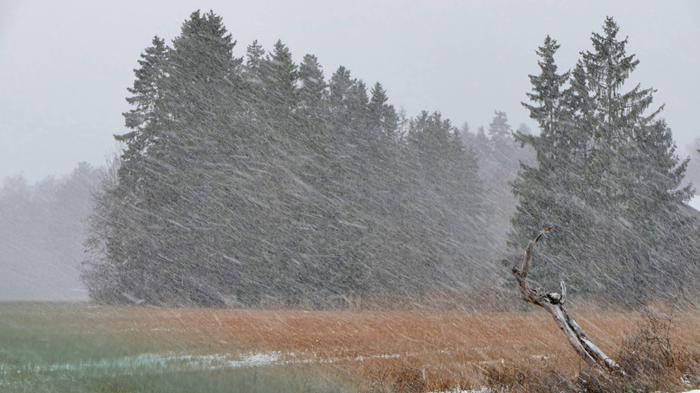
[(607, 172), (499, 129), (144, 97), (312, 89), (280, 77), (255, 55), (382, 115), (121, 216), (547, 94)]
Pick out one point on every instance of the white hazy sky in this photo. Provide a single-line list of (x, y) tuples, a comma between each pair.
[(65, 65)]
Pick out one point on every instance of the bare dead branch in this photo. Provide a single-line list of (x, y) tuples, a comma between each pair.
[(553, 302)]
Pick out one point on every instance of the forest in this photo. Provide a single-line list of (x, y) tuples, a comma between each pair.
[(254, 180)]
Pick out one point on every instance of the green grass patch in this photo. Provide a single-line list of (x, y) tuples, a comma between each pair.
[(67, 347)]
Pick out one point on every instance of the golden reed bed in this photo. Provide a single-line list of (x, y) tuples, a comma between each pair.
[(442, 348)]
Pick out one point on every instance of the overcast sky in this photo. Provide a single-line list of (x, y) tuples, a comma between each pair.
[(65, 65)]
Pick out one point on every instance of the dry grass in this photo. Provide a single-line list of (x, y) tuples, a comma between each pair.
[(403, 351), (650, 358)]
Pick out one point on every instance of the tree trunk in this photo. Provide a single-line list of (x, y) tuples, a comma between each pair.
[(553, 302)]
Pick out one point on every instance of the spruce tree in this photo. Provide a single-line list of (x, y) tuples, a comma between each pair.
[(312, 90), (547, 108), (547, 90), (144, 97), (499, 129), (280, 75), (255, 55), (340, 85), (549, 192), (607, 174), (197, 120), (121, 212), (382, 115)]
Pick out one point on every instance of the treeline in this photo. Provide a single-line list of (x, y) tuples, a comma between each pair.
[(257, 181), (609, 177), (42, 228)]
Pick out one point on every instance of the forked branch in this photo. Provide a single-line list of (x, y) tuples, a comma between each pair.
[(553, 302)]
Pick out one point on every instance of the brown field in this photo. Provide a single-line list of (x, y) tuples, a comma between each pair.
[(442, 349)]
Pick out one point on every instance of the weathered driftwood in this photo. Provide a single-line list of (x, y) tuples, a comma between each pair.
[(553, 302)]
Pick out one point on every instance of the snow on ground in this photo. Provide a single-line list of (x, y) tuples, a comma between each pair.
[(184, 362)]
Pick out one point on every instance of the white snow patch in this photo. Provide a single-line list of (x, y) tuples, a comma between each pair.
[(156, 362), (255, 360)]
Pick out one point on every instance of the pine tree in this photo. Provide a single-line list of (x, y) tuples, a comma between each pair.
[(499, 129), (549, 192), (382, 115), (313, 106), (120, 216), (255, 55), (144, 97), (625, 134), (481, 142), (312, 90), (280, 75), (340, 85), (547, 90), (547, 107), (607, 173), (187, 162)]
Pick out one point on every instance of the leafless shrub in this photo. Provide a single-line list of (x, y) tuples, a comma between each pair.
[(650, 359)]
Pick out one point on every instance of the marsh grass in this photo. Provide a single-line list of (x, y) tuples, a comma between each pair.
[(79, 348), (64, 347)]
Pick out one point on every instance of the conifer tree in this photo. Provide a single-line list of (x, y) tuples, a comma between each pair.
[(547, 108), (499, 129), (255, 55), (312, 90), (607, 172), (195, 125), (144, 97), (548, 192), (280, 77), (120, 216), (340, 85), (547, 90), (382, 115)]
